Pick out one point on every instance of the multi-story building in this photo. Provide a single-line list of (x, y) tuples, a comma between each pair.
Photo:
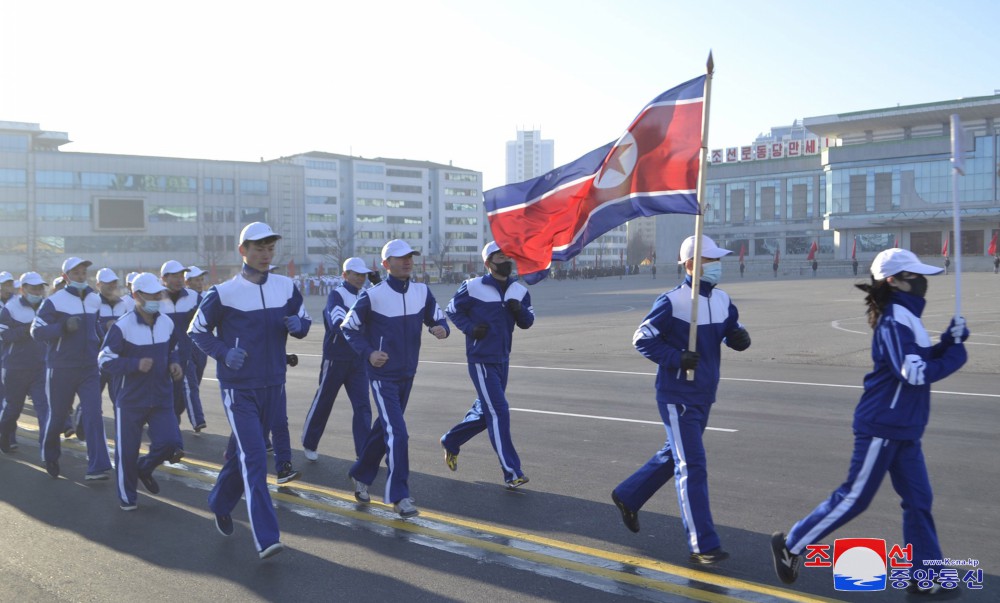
[(132, 213), (857, 183), (354, 205), (529, 156)]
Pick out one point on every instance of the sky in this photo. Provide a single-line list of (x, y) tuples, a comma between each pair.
[(453, 80)]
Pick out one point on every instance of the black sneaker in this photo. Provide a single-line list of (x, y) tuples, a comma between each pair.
[(199, 427), (176, 456), (286, 473), (709, 557), (272, 550), (786, 565), (149, 482), (224, 524), (629, 517), (6, 446), (53, 468)]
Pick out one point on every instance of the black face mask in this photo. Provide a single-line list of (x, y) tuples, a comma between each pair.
[(918, 285), (503, 268)]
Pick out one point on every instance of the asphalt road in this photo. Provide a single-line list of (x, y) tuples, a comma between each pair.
[(584, 418)]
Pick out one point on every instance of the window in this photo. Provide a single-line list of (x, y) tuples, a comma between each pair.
[(253, 187), (126, 243), (469, 220), (13, 142), (12, 212), (315, 164), (405, 188), (461, 192), (369, 168), (365, 202), (62, 212), (320, 200), (253, 214), (218, 186), (220, 214), (167, 213), (460, 235), (321, 182), (371, 219), (97, 180), (461, 206), (13, 245), (366, 185), (52, 179), (404, 220), (455, 177), (397, 204), (398, 173), (321, 217), (13, 178)]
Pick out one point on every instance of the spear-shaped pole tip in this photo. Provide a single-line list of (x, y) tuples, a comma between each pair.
[(710, 65)]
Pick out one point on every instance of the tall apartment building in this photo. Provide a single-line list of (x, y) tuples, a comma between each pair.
[(529, 156), (354, 205)]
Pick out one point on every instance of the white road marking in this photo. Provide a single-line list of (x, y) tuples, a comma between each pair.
[(569, 414)]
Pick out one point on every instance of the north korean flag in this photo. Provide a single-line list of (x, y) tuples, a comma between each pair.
[(652, 169)]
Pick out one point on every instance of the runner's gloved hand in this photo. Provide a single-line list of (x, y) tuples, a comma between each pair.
[(235, 358), (293, 323), (739, 339), (689, 360), (480, 330), (292, 359), (514, 305), (957, 332), (374, 278)]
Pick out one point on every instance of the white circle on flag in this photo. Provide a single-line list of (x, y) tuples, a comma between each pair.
[(619, 164)]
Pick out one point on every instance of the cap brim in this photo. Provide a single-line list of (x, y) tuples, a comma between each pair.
[(923, 269)]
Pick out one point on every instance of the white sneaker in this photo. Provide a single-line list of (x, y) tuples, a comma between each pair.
[(406, 508), (311, 455), (361, 492)]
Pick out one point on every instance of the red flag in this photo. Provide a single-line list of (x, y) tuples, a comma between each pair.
[(896, 243), (319, 269), (651, 169), (212, 275), (777, 254), (993, 246), (944, 250), (812, 251), (854, 249), (374, 266), (291, 268), (743, 250)]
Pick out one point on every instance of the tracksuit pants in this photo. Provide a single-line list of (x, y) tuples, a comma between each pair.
[(245, 472), (19, 384), (61, 385), (388, 438), (164, 438), (490, 412), (873, 457), (334, 373), (187, 396), (683, 457), (275, 432)]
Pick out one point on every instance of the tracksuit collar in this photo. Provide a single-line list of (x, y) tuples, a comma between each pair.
[(397, 284), (704, 289), (351, 288), (911, 302), (252, 275)]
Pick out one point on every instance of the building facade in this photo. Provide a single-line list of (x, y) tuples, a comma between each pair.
[(132, 213), (858, 183), (529, 156)]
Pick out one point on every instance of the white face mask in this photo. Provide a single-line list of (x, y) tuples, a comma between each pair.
[(151, 307), (79, 286), (34, 300), (711, 273)]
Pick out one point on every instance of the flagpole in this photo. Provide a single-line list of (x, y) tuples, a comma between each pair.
[(699, 217), (957, 156)]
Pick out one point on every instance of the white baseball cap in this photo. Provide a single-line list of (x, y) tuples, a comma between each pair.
[(255, 231), (6, 276), (130, 277), (397, 248), (73, 262), (171, 267), (32, 278), (147, 282), (356, 265), (893, 261), (708, 249), (490, 249), (193, 272), (106, 275)]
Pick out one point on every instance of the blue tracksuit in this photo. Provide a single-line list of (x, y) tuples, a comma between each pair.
[(23, 367), (341, 367), (389, 317), (684, 405), (889, 421), (141, 398), (71, 369), (180, 308), (251, 315), (111, 310), (483, 301)]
